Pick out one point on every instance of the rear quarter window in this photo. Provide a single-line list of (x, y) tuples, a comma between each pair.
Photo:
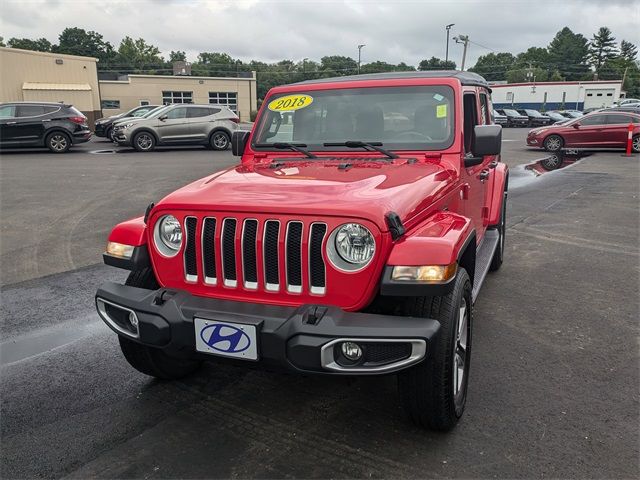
[(30, 110)]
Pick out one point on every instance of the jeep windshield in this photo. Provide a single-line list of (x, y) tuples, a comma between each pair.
[(400, 118)]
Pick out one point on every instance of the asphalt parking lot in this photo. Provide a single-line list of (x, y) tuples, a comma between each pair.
[(554, 383)]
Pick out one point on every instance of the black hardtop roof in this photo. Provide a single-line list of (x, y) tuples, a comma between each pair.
[(466, 78)]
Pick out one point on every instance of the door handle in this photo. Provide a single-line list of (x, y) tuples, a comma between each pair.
[(11, 123), (484, 174), (493, 164)]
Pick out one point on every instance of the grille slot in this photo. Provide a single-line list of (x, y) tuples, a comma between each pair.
[(190, 261), (229, 252), (294, 257), (270, 255), (209, 250), (249, 266), (317, 274)]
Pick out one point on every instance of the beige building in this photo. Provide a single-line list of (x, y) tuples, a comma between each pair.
[(130, 91), (51, 77)]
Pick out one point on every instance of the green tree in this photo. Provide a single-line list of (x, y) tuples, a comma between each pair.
[(568, 53), (403, 67), (39, 45), (534, 74), (435, 63), (216, 64), (77, 41), (337, 65), (494, 66), (135, 56), (377, 67), (628, 51), (178, 56), (602, 47), (2, 42)]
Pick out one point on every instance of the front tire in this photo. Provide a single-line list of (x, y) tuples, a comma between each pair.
[(148, 360), (553, 143), (109, 134), (219, 141), (144, 142), (434, 392), (58, 142)]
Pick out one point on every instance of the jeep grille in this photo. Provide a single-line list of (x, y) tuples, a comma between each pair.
[(240, 252)]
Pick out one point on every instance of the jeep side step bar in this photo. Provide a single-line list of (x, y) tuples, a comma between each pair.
[(484, 255)]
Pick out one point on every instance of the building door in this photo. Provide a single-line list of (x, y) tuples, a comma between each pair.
[(598, 97)]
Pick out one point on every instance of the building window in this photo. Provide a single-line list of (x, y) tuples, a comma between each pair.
[(510, 97), (177, 97), (230, 99), (110, 104), (609, 94), (144, 102)]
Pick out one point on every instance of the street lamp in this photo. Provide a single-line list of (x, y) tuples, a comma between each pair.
[(360, 55), (446, 56)]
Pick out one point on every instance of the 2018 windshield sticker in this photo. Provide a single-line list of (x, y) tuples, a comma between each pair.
[(441, 111), (290, 103)]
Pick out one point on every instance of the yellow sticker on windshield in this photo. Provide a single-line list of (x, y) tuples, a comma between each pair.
[(290, 103), (441, 111)]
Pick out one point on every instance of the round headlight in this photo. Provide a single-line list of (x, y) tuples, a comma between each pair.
[(168, 235), (354, 243)]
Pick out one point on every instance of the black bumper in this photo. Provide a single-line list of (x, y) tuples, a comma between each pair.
[(302, 339)]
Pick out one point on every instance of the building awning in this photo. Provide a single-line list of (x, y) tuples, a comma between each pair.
[(56, 86)]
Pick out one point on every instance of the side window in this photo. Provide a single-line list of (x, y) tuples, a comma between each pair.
[(177, 113), (213, 111), (485, 111), (140, 112), (620, 119), (51, 109), (197, 112), (7, 111), (30, 110), (470, 120), (593, 120)]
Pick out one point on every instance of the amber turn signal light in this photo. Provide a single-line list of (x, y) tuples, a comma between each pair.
[(424, 273), (119, 249)]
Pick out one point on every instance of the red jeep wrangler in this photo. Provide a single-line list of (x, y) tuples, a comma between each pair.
[(352, 239)]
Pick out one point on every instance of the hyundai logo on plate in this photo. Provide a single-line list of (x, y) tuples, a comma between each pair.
[(225, 338)]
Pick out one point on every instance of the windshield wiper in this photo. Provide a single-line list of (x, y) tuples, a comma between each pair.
[(296, 147), (377, 146)]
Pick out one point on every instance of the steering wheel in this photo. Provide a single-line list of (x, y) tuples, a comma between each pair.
[(416, 135)]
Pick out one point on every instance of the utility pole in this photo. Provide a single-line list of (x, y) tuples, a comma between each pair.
[(359, 55), (465, 40), (446, 55)]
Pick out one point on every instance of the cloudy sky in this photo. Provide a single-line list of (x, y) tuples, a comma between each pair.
[(270, 30)]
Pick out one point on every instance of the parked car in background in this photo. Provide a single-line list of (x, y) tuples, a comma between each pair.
[(603, 129), (42, 124), (499, 118), (627, 107), (590, 110), (179, 124), (514, 119), (571, 113), (625, 101), (556, 116), (536, 119), (104, 126)]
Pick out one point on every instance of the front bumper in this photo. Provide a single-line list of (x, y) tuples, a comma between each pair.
[(303, 339)]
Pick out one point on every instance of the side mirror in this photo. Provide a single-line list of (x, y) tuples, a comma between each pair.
[(163, 117), (487, 140), (238, 142), (576, 125)]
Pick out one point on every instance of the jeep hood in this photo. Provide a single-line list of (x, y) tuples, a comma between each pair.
[(365, 189)]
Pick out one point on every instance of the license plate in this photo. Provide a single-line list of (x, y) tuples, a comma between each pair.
[(226, 339)]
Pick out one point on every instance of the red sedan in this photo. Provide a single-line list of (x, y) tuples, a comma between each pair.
[(595, 130)]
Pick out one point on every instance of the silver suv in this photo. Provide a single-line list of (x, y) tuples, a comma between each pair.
[(179, 124)]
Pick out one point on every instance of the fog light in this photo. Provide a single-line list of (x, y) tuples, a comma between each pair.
[(133, 320), (351, 351)]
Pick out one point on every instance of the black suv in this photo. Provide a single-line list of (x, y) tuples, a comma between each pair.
[(42, 124), (536, 119), (104, 126)]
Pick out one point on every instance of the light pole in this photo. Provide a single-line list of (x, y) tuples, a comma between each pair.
[(465, 40), (446, 56), (360, 55)]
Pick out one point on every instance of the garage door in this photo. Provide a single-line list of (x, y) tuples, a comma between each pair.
[(598, 97)]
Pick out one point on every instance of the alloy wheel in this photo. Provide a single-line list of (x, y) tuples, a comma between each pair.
[(460, 352), (144, 141), (58, 142), (553, 144), (636, 144), (220, 141)]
